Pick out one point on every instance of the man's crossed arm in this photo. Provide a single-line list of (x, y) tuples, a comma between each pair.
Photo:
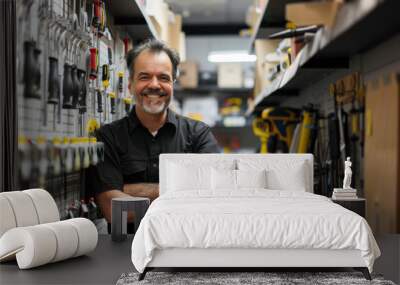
[(148, 190)]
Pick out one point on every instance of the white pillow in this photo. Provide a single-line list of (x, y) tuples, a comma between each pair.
[(181, 177), (223, 179), (193, 174), (251, 178), (291, 178), (281, 174), (230, 180)]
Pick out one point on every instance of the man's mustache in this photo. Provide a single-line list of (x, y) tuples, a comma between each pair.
[(149, 91)]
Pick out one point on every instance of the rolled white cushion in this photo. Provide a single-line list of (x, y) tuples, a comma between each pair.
[(87, 235), (33, 246), (23, 208), (40, 244), (7, 217), (45, 205), (67, 240)]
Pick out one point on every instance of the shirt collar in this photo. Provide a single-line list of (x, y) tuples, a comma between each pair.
[(134, 122)]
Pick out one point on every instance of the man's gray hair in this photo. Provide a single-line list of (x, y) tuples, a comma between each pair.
[(155, 46)]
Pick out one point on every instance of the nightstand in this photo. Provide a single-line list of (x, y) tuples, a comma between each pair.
[(355, 205), (119, 215)]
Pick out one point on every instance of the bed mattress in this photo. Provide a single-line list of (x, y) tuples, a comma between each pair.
[(251, 219)]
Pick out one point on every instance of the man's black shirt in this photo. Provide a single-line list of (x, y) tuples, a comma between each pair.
[(132, 152)]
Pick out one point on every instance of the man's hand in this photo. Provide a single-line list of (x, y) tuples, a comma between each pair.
[(147, 190), (104, 201)]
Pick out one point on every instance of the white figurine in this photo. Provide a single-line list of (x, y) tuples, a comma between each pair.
[(347, 174)]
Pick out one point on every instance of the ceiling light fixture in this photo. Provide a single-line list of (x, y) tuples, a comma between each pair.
[(231, 56)]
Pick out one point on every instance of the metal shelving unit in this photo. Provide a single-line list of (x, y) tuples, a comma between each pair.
[(221, 93), (132, 15), (371, 22)]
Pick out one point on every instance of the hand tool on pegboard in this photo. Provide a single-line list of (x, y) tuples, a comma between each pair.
[(56, 74), (75, 144), (43, 36), (96, 12), (54, 164), (56, 156), (94, 61), (83, 91), (99, 17), (93, 152), (103, 18), (83, 17), (24, 158), (23, 16), (54, 83), (43, 162), (105, 79), (69, 82), (68, 86), (31, 53), (80, 78), (31, 70), (128, 104), (76, 87), (112, 97), (99, 100), (85, 153)]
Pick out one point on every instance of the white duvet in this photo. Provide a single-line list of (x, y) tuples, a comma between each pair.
[(250, 219)]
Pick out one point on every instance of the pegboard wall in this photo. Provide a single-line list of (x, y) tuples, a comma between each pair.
[(38, 118)]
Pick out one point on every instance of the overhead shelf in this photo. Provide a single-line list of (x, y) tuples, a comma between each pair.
[(204, 90), (213, 89), (132, 15), (360, 26)]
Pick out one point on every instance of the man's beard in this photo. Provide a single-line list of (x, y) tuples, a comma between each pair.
[(152, 108)]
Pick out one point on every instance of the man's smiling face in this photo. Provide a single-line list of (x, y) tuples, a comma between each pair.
[(152, 81)]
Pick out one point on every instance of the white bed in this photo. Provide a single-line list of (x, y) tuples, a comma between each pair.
[(247, 211)]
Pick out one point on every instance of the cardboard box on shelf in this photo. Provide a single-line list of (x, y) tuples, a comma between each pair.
[(158, 12), (313, 13), (230, 75), (188, 74), (182, 46), (175, 27)]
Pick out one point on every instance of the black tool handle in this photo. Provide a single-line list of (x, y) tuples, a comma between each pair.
[(54, 83), (83, 91), (76, 87), (31, 70), (99, 102), (109, 56), (67, 87), (112, 101)]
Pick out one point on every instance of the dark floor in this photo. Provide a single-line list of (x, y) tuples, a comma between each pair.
[(389, 262)]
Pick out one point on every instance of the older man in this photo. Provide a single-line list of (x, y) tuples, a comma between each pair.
[(134, 143)]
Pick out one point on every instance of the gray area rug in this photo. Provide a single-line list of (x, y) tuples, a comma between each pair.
[(228, 278)]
